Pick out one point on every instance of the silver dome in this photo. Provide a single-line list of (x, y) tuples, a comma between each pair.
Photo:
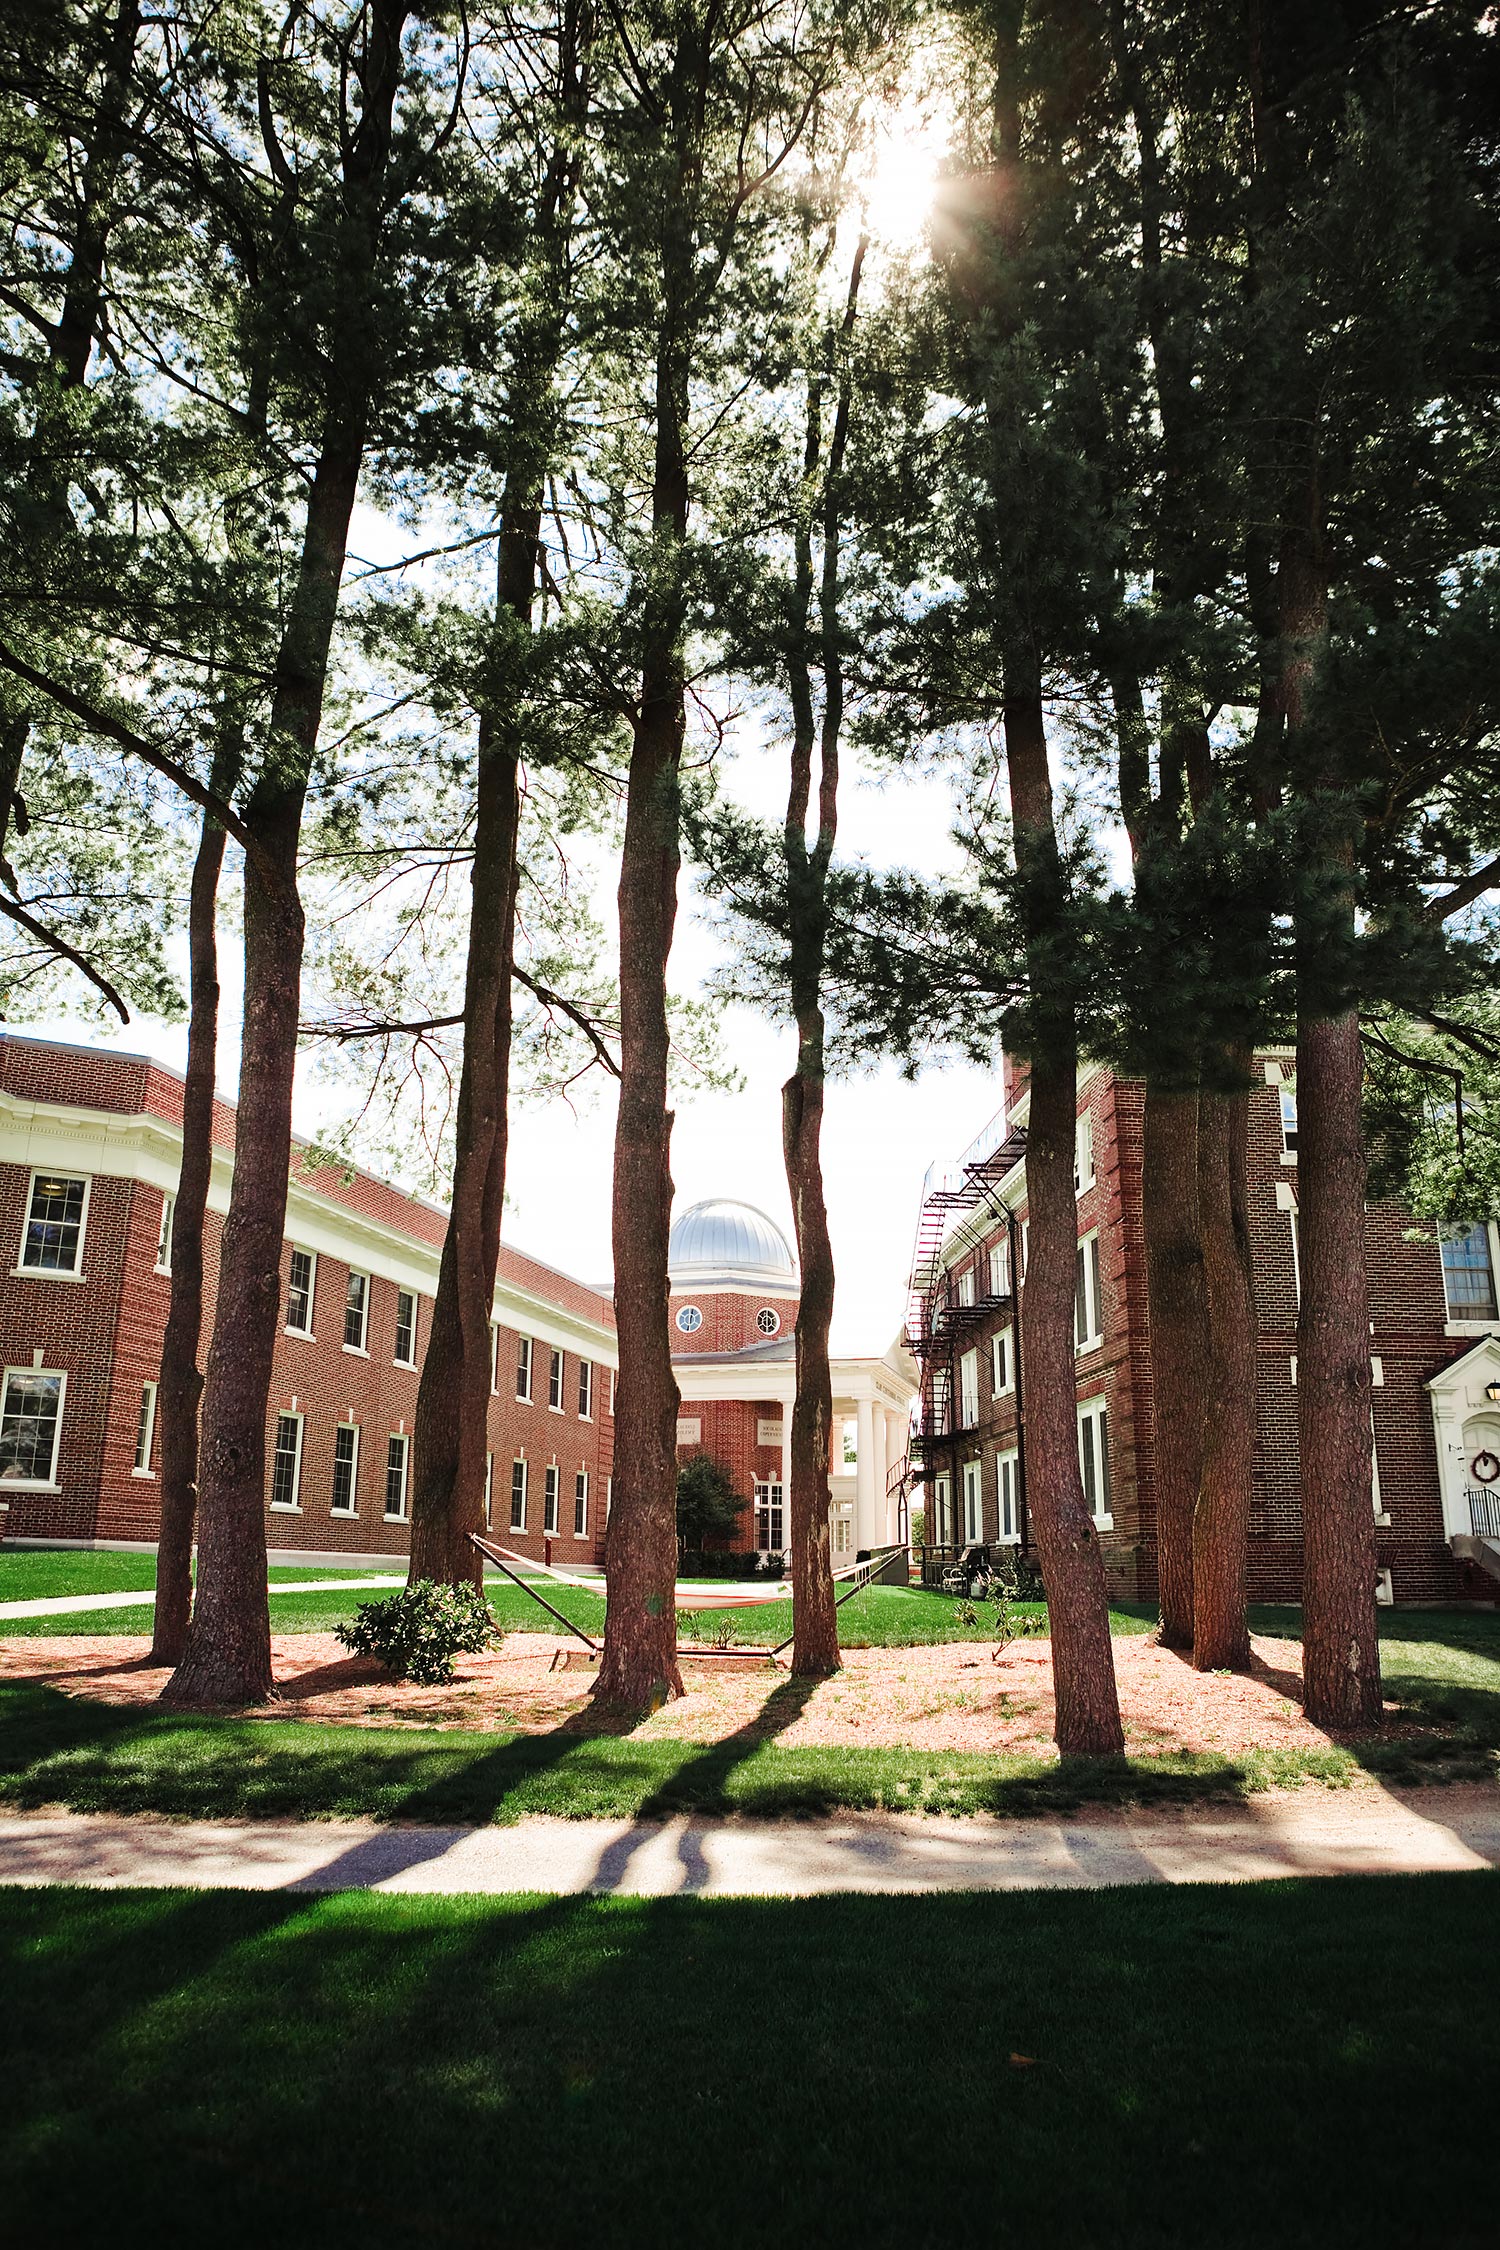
[(720, 1241)]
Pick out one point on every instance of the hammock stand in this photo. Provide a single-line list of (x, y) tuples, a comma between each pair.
[(502, 1557)]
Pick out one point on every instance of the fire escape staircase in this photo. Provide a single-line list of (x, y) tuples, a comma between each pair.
[(936, 1319)]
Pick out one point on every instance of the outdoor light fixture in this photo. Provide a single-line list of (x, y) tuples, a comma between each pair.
[(1492, 1393)]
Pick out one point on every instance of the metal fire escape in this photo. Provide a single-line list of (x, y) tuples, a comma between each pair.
[(938, 1318)]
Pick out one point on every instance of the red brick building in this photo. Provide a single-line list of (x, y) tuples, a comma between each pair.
[(1434, 1354)]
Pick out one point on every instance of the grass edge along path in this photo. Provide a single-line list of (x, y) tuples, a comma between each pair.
[(94, 1757)]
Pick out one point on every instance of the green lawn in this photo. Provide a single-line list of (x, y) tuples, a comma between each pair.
[(1211, 2068)]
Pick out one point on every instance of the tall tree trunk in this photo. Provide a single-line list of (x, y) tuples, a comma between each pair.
[(1177, 1298), (1221, 1521), (1067, 1542), (815, 1632), (180, 1384)]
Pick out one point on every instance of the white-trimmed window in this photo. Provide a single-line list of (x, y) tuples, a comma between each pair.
[(968, 1390), (1093, 1459), (770, 1530), (524, 1357), (164, 1234), (1288, 1120), (609, 1496), (56, 1215), (1469, 1271), (145, 1431), (555, 1383), (495, 1358), (406, 1329), (31, 1410), (1003, 1361), (345, 1492), (581, 1505), (356, 1311), (1088, 1300), (1083, 1153), (302, 1283), (489, 1488), (551, 1480), (585, 1390), (973, 1489), (842, 1535), (612, 1373), (286, 1464), (966, 1286), (397, 1458), (1025, 1246), (1000, 1268), (518, 1496), (1291, 1217), (1008, 1478)]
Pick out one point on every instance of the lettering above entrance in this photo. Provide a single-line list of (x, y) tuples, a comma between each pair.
[(768, 1433), (690, 1429)]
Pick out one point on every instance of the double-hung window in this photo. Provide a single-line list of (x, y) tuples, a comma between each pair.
[(581, 1505), (145, 1431), (550, 1483), (770, 1534), (301, 1288), (518, 1496), (1289, 1120), (406, 1328), (164, 1234), (1000, 1269), (489, 1488), (30, 1425), (968, 1390), (1008, 1477), (585, 1390), (495, 1358), (1002, 1361), (524, 1357), (966, 1286), (1088, 1302), (1083, 1154), (55, 1216), (356, 1311), (398, 1448), (1469, 1272), (286, 1463), (555, 1383), (1093, 1458), (973, 1500), (345, 1468)]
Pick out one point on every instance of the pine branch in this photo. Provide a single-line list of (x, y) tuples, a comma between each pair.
[(65, 952)]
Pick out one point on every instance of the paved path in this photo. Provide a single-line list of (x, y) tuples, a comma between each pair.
[(1311, 1832), (65, 1605)]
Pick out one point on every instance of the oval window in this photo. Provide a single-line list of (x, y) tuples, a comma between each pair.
[(767, 1321), (689, 1319)]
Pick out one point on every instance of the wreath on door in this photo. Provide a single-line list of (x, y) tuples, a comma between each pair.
[(1485, 1467)]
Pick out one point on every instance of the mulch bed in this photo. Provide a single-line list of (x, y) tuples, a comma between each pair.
[(954, 1696)]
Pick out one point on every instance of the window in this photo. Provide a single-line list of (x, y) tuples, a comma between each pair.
[(581, 1505), (555, 1383), (1002, 1369), (164, 1235), (768, 1320), (973, 1501), (1009, 1480), (842, 1531), (30, 1423), (689, 1320), (612, 1390), (1289, 1120), (523, 1367), (356, 1311), (1093, 1458), (1469, 1273), (397, 1448), (966, 1286), (609, 1496), (495, 1362), (406, 1329), (1025, 1246), (345, 1468), (54, 1224), (770, 1534), (299, 1295), (968, 1390), (1083, 1154), (585, 1390), (286, 1462), (489, 1488), (550, 1481), (1000, 1269), (1088, 1316), (145, 1430), (518, 1496)]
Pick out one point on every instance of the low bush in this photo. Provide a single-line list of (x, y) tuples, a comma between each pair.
[(417, 1633), (715, 1562)]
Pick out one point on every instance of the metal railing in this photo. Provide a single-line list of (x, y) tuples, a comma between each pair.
[(1484, 1510)]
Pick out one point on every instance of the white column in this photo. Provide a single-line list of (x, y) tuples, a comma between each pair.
[(895, 1453), (864, 1475), (877, 1529)]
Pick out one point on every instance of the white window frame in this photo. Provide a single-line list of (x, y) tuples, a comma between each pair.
[(1003, 1381), (49, 1482), (352, 1509), (612, 1374), (396, 1360), (581, 1500), (489, 1490), (362, 1348), (292, 1507), (1286, 1101), (74, 1272), (585, 1390), (525, 1368), (972, 1485), (557, 1379), (609, 1496), (770, 1515), (1471, 1324), (298, 1251), (968, 1390), (551, 1500), (495, 1360), (164, 1234), (403, 1513), (1000, 1267), (1084, 1175), (1008, 1496), (1086, 1265), (966, 1286), (145, 1433), (1095, 1412), (519, 1490)]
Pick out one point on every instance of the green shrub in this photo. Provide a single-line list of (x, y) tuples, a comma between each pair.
[(417, 1633)]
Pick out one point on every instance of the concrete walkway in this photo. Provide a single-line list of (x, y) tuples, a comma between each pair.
[(1311, 1832), (68, 1605)]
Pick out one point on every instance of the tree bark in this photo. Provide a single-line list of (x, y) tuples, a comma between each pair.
[(1067, 1542), (1221, 1520), (1177, 1299)]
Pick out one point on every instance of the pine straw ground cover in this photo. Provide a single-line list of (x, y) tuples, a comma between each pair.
[(935, 1728), (1215, 2068)]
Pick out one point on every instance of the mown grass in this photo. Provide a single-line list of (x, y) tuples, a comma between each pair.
[(1145, 2069)]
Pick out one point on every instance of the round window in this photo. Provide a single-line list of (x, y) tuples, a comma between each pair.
[(689, 1319), (767, 1321)]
